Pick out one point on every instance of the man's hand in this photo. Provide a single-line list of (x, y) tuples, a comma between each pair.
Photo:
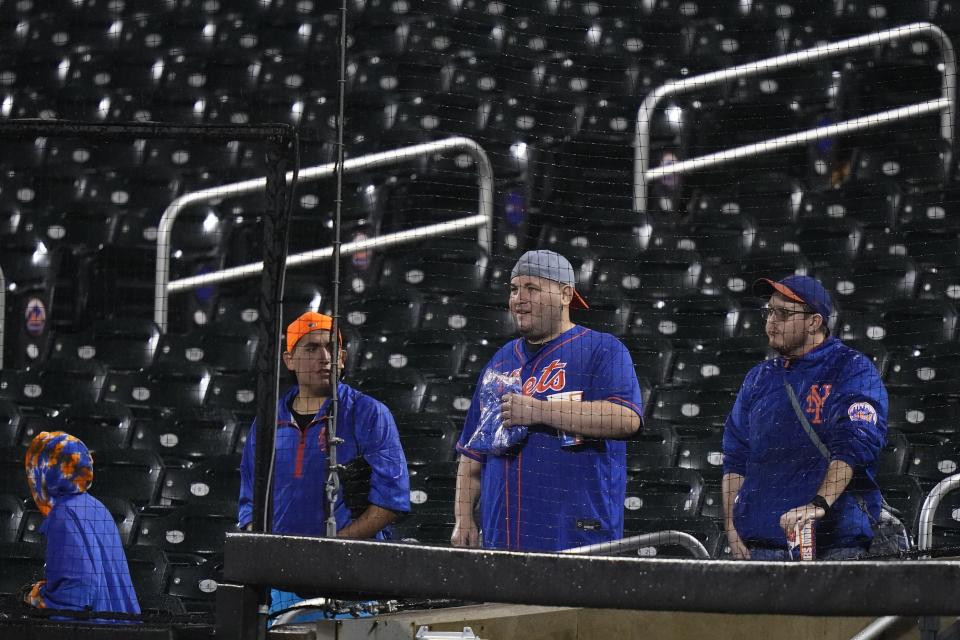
[(738, 550), (518, 409), (800, 514), (465, 533)]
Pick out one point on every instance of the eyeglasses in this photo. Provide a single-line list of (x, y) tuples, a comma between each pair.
[(782, 315)]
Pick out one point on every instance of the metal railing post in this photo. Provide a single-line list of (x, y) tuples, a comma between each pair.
[(925, 529), (946, 104), (634, 543), (483, 221)]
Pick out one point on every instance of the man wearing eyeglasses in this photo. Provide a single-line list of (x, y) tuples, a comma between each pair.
[(775, 473)]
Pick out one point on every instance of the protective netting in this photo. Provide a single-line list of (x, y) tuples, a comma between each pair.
[(568, 159)]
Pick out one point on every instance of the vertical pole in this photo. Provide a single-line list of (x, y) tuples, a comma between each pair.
[(333, 468), (276, 226)]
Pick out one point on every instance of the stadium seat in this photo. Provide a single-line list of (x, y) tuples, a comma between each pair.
[(691, 407), (933, 457), (882, 243), (170, 387), (720, 237), (56, 384), (195, 583), (910, 160), (939, 284), (120, 345), (706, 530), (101, 426), (474, 76), (150, 574), (871, 281), (895, 454), (873, 204), (399, 389), (652, 357), (384, 310), (189, 435), (654, 447), (485, 314), (440, 267), (11, 518), (652, 273), (427, 438), (133, 474), (76, 226), (432, 489), (768, 198), (189, 528), (918, 322), (476, 355), (216, 479), (436, 354), (235, 393), (662, 493), (22, 566), (11, 418), (424, 118), (905, 494), (13, 480), (864, 17), (448, 397), (915, 368), (721, 366), (712, 506), (834, 242), (870, 87), (37, 420), (609, 312), (228, 348), (701, 449), (912, 412), (682, 319)]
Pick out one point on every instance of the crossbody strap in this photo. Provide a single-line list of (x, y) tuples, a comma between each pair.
[(822, 447), (806, 423)]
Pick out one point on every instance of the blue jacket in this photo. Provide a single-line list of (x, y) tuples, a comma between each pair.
[(86, 569), (300, 468), (845, 402)]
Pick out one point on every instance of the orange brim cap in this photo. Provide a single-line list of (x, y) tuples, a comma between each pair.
[(308, 323)]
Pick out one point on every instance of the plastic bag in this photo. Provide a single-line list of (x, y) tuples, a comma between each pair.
[(491, 436)]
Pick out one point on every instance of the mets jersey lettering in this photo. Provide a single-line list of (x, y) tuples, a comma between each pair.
[(552, 378)]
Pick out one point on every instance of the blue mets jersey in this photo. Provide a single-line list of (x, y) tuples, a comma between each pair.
[(845, 402), (545, 496)]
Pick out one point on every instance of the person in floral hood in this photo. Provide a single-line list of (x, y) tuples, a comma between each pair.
[(86, 569)]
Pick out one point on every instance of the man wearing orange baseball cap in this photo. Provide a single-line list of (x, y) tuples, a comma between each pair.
[(370, 449)]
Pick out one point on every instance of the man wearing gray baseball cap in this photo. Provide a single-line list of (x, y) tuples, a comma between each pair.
[(574, 392)]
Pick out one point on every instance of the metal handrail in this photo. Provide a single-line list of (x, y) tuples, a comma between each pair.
[(946, 104), (925, 529), (634, 543), (482, 221)]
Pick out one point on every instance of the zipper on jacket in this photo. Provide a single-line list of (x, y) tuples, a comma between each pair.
[(298, 467)]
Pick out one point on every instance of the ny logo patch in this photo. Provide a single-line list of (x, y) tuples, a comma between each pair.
[(817, 395)]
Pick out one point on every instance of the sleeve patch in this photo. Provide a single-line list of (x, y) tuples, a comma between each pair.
[(862, 412)]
